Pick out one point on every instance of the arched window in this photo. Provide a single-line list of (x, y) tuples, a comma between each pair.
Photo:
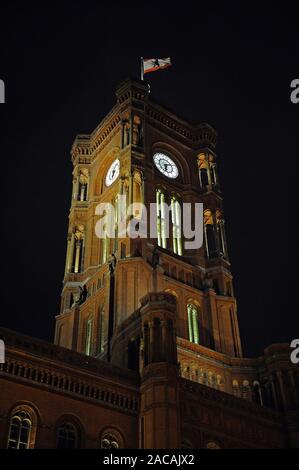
[(176, 226), (111, 439), (19, 430), (161, 219), (67, 436), (88, 337), (193, 321), (101, 329)]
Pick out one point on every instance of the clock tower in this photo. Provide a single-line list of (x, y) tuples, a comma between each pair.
[(143, 154), (147, 337)]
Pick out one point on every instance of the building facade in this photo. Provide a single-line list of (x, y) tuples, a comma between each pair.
[(147, 347)]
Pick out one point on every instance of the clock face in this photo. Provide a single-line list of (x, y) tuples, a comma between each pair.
[(165, 165), (113, 172)]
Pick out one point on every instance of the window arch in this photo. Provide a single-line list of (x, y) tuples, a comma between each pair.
[(193, 323), (22, 428), (111, 439), (176, 220), (67, 436)]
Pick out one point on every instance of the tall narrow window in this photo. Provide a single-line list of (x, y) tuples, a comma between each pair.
[(193, 323), (210, 239), (176, 226), (19, 431), (104, 246), (221, 233), (161, 220), (115, 247), (101, 330), (203, 170), (214, 174), (88, 337), (67, 436)]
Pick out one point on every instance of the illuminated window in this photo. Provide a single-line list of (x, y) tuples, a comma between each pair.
[(161, 221), (67, 436), (193, 323), (19, 431), (116, 208), (137, 188), (101, 329), (88, 337), (104, 246), (176, 226)]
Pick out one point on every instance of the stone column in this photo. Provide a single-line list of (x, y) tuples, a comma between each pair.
[(77, 256)]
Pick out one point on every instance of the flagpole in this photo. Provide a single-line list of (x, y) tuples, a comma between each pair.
[(141, 68)]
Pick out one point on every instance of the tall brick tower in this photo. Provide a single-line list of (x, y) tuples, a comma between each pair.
[(149, 303), (146, 154)]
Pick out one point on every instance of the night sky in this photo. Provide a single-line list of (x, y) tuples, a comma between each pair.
[(232, 67)]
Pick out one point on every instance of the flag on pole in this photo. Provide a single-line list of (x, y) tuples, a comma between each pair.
[(151, 65)]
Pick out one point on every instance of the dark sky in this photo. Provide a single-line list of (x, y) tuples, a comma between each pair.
[(232, 67)]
